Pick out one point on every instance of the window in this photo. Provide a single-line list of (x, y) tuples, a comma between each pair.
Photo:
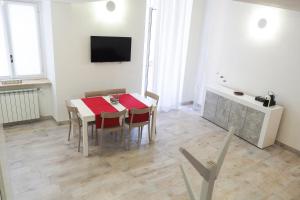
[(20, 48)]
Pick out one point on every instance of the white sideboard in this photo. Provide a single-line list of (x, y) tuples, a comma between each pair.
[(249, 118)]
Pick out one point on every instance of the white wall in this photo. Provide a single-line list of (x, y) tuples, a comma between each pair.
[(190, 75), (256, 66), (73, 24), (46, 97)]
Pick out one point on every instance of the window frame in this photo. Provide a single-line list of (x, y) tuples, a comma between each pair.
[(7, 36)]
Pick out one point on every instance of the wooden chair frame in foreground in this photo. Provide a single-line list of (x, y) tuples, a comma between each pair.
[(209, 172), (105, 92)]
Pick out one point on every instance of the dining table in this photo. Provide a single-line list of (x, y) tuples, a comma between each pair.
[(89, 109)]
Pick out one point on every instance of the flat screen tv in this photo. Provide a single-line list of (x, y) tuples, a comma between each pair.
[(110, 49)]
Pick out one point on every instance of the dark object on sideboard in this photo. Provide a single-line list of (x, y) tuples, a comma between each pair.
[(260, 99), (238, 93), (269, 100)]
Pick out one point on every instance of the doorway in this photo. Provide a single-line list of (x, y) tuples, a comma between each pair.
[(151, 29), (166, 49)]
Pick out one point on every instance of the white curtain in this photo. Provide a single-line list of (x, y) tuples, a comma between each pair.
[(170, 50), (207, 41)]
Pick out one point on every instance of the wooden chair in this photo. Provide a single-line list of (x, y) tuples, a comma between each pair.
[(155, 97), (105, 92), (104, 128), (209, 172), (152, 96), (133, 121), (74, 120)]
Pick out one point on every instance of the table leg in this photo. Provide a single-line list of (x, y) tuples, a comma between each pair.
[(85, 138), (153, 124), (72, 135)]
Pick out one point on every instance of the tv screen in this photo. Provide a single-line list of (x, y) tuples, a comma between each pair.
[(110, 49)]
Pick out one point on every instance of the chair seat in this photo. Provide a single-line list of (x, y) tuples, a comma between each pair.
[(138, 118), (111, 123)]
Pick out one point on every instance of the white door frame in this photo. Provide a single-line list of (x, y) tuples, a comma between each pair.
[(148, 46)]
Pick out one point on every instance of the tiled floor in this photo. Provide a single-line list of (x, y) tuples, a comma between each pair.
[(42, 166)]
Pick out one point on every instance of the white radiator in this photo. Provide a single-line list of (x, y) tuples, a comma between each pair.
[(19, 105)]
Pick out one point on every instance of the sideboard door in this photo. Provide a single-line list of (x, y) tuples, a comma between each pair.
[(237, 117), (252, 126), (211, 101), (222, 112)]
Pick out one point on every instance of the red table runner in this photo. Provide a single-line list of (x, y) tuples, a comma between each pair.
[(130, 102), (98, 105)]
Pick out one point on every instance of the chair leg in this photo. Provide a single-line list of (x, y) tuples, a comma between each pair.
[(122, 138), (79, 139), (101, 141), (149, 133), (96, 133), (151, 121), (121, 135), (141, 135), (129, 139), (70, 124), (92, 131)]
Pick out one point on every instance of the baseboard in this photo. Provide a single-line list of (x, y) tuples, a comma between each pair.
[(60, 123), (42, 118), (287, 147), (47, 118)]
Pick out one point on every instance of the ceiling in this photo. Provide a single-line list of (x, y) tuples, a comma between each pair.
[(285, 4)]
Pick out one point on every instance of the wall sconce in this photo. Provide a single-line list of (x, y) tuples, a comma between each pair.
[(110, 12), (264, 23), (111, 6)]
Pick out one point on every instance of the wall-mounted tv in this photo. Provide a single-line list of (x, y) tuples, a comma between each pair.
[(110, 49)]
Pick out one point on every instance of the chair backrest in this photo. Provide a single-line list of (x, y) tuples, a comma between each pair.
[(223, 150), (105, 92), (115, 115), (152, 95), (72, 111), (134, 113), (209, 172)]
